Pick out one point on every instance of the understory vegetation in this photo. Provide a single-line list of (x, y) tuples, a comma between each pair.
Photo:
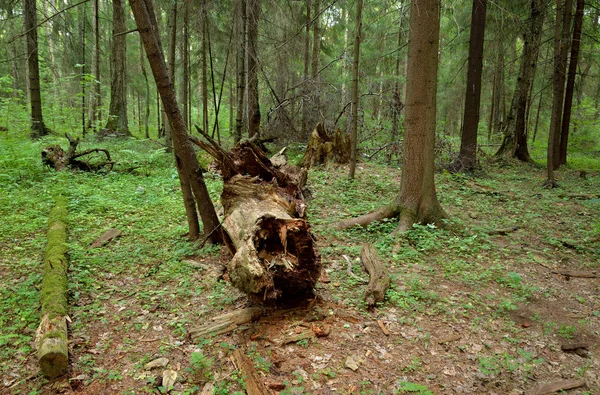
[(468, 308)]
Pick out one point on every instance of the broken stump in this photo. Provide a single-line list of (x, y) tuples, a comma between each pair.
[(325, 147)]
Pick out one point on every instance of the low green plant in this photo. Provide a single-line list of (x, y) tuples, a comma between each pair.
[(201, 367), (406, 387)]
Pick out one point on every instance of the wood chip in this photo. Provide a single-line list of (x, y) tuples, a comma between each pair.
[(275, 385), (305, 334), (448, 339), (323, 331), (106, 237), (383, 328), (551, 388)]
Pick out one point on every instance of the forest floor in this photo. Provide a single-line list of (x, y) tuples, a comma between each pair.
[(468, 312)]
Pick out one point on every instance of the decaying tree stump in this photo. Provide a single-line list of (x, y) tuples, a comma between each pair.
[(274, 254), (380, 278), (51, 339), (55, 157), (326, 147)]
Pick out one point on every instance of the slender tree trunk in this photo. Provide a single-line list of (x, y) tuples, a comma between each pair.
[(147, 85), (254, 7), (172, 37), (204, 50), (38, 129), (185, 157), (354, 130), (81, 27), (564, 137), (241, 67), (561, 36), (397, 103), (185, 93), (316, 51), (117, 116), (467, 158), (95, 97), (515, 136), (306, 122)]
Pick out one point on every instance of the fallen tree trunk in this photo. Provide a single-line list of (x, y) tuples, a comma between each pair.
[(327, 147), (54, 156), (274, 255), (51, 336), (380, 278)]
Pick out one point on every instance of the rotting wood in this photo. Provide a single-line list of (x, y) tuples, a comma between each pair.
[(576, 273), (296, 337), (226, 323), (51, 337), (383, 328), (380, 278), (274, 254), (54, 156), (254, 383), (105, 238), (503, 231), (551, 388), (325, 147)]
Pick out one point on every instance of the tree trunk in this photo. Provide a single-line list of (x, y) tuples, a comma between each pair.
[(81, 16), (147, 85), (515, 136), (204, 50), (117, 114), (51, 338), (38, 129), (185, 93), (316, 52), (354, 130), (417, 201), (305, 88), (561, 30), (397, 104), (241, 67), (95, 99), (576, 42), (467, 158), (254, 7), (185, 157), (172, 37)]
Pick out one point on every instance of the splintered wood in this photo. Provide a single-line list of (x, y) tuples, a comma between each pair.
[(265, 227)]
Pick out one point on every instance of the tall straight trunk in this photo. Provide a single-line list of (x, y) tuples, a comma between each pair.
[(185, 93), (316, 52), (172, 36), (188, 168), (467, 158), (16, 82), (564, 136), (561, 48), (354, 130), (515, 136), (204, 67), (38, 129), (397, 103), (147, 85), (117, 115), (241, 68), (253, 103), (81, 27), (499, 101), (95, 99), (306, 122)]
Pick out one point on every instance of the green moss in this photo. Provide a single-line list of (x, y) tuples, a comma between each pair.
[(54, 284)]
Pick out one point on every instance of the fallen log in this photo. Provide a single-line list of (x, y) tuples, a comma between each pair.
[(51, 337), (54, 156), (380, 278), (253, 381), (327, 147), (226, 323), (274, 254), (551, 388)]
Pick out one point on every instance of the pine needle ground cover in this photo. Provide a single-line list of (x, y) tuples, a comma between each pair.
[(479, 304)]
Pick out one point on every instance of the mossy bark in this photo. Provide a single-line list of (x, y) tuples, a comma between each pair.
[(52, 333)]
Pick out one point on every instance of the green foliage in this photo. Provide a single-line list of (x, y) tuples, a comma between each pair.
[(406, 387)]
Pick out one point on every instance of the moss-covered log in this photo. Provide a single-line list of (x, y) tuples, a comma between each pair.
[(52, 333)]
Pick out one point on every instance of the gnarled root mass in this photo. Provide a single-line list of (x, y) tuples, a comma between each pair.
[(55, 157), (265, 227)]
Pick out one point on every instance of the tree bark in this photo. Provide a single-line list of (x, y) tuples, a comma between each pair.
[(185, 93), (38, 129), (241, 67), (172, 37), (354, 130), (305, 88), (117, 114), (316, 52), (254, 7), (576, 42), (147, 85), (185, 157), (379, 276), (467, 158), (561, 34), (417, 201), (204, 50), (397, 103), (95, 99), (514, 143), (51, 338)]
